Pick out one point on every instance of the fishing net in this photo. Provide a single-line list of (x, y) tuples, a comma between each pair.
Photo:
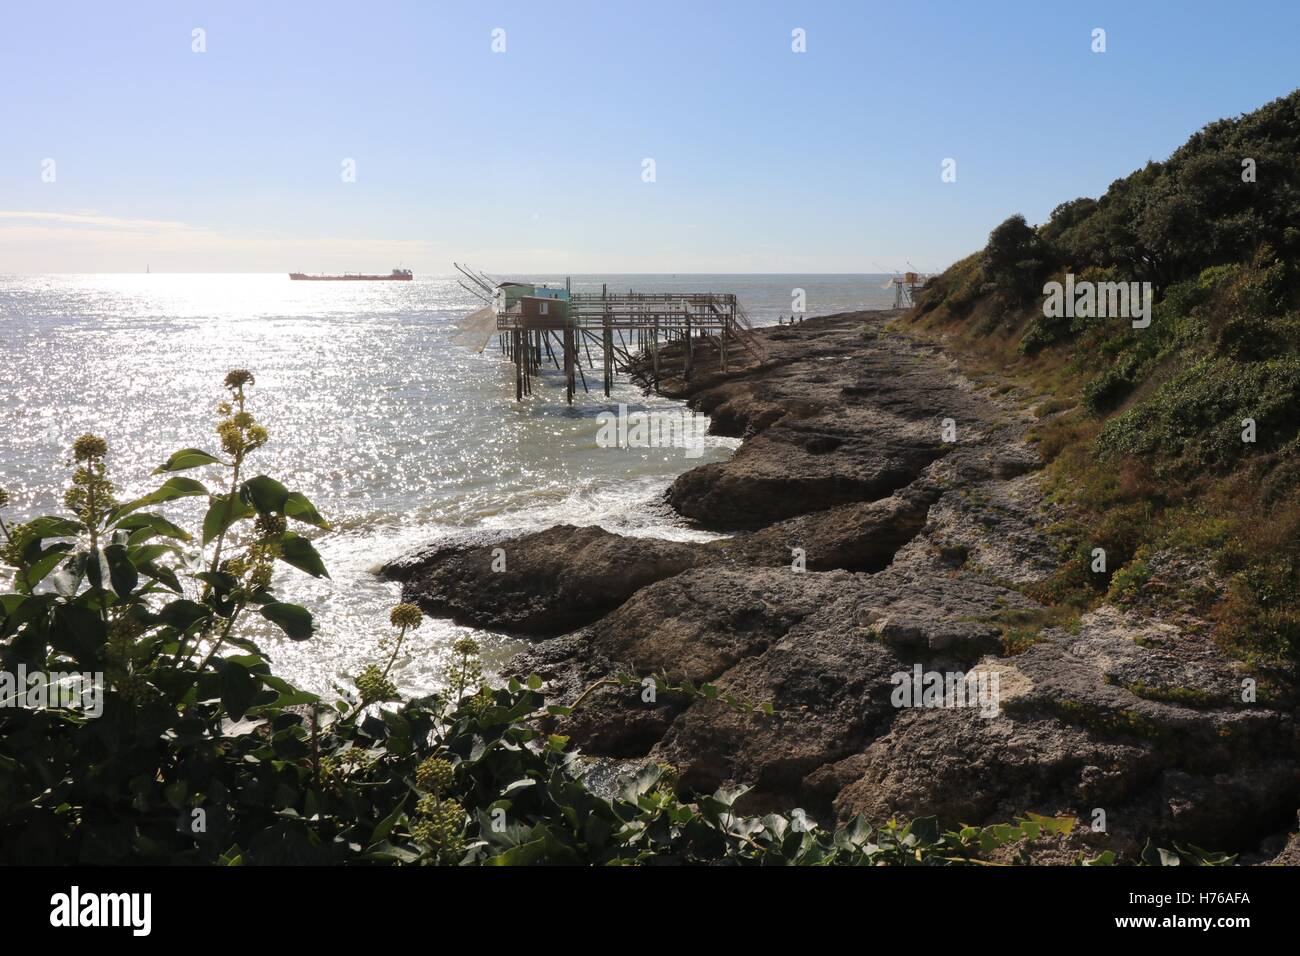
[(475, 330)]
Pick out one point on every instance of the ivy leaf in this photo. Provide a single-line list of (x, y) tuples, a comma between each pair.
[(301, 553), (171, 489), (184, 614), (49, 526), (925, 829), (297, 506), (641, 783), (223, 512), (187, 458), (160, 573), (238, 688), (385, 826), (37, 570), (293, 619), (221, 582), (153, 524), (121, 572), (265, 494), (77, 631), (147, 553)]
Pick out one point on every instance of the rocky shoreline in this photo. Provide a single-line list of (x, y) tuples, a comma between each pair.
[(864, 544)]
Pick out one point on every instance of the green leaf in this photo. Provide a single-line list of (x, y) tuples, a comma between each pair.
[(1063, 824), (299, 552), (385, 826), (155, 524), (78, 631), (222, 583), (298, 507), (121, 572), (160, 573), (385, 852), (238, 688), (37, 570), (1105, 858), (265, 494), (95, 567), (293, 619), (294, 700), (1206, 857), (525, 854), (148, 553), (222, 513), (23, 609), (187, 458), (1153, 855), (172, 488), (925, 829), (642, 782), (184, 614), (49, 526)]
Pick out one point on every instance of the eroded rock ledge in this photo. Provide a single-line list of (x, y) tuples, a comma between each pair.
[(915, 550)]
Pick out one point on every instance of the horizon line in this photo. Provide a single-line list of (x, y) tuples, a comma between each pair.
[(452, 275)]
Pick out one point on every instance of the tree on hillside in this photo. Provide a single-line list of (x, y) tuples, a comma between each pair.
[(1016, 260)]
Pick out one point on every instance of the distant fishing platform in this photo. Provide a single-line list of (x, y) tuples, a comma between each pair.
[(534, 323)]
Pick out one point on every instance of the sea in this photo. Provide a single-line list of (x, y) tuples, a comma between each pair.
[(400, 436)]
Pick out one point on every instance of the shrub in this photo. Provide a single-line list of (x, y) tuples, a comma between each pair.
[(1109, 389), (1198, 413)]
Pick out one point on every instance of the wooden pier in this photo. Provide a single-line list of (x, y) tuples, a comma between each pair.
[(563, 327)]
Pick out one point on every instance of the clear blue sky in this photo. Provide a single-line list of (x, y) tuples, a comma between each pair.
[(531, 160)]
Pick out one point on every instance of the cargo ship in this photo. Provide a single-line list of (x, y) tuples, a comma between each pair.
[(397, 275)]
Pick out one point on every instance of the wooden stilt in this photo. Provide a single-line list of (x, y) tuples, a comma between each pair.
[(654, 349), (570, 360), (519, 366), (607, 350), (686, 351)]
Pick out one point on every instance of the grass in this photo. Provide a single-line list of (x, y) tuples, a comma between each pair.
[(1022, 628), (1141, 436), (1187, 696)]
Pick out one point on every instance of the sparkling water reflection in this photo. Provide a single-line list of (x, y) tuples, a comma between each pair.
[(397, 435)]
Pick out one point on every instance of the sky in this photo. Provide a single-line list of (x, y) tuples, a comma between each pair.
[(516, 136)]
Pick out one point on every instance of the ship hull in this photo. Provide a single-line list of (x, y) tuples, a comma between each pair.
[(299, 277)]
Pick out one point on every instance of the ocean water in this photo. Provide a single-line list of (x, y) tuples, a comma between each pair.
[(397, 435)]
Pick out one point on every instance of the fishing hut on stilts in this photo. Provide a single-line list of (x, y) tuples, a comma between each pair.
[(535, 324), (905, 286)]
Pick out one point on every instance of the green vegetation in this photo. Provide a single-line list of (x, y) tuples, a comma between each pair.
[(190, 755), (1187, 696), (1184, 435), (1022, 629)]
